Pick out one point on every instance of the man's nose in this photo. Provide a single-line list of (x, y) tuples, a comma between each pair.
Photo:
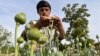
[(44, 11)]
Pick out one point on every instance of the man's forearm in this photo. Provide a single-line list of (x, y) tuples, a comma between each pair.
[(61, 30)]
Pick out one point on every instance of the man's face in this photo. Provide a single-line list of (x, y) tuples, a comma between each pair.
[(44, 11)]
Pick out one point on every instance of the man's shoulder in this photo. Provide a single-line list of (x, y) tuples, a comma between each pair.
[(33, 21)]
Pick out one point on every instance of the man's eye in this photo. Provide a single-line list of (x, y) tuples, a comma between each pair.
[(46, 9), (42, 9)]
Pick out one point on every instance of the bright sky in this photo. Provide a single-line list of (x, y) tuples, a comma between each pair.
[(9, 8)]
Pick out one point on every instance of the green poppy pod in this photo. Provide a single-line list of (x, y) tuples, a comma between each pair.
[(33, 42), (20, 18), (20, 40), (43, 39), (33, 34), (28, 27)]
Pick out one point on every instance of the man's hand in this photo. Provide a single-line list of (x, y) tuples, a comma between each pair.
[(45, 18), (58, 24), (57, 21), (44, 21)]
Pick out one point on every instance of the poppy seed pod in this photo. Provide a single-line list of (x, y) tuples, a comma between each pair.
[(33, 34), (43, 39), (20, 40), (20, 18), (27, 26)]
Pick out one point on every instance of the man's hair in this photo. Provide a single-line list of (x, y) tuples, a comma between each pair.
[(43, 3)]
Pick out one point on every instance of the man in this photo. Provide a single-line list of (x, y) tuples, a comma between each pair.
[(44, 10)]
